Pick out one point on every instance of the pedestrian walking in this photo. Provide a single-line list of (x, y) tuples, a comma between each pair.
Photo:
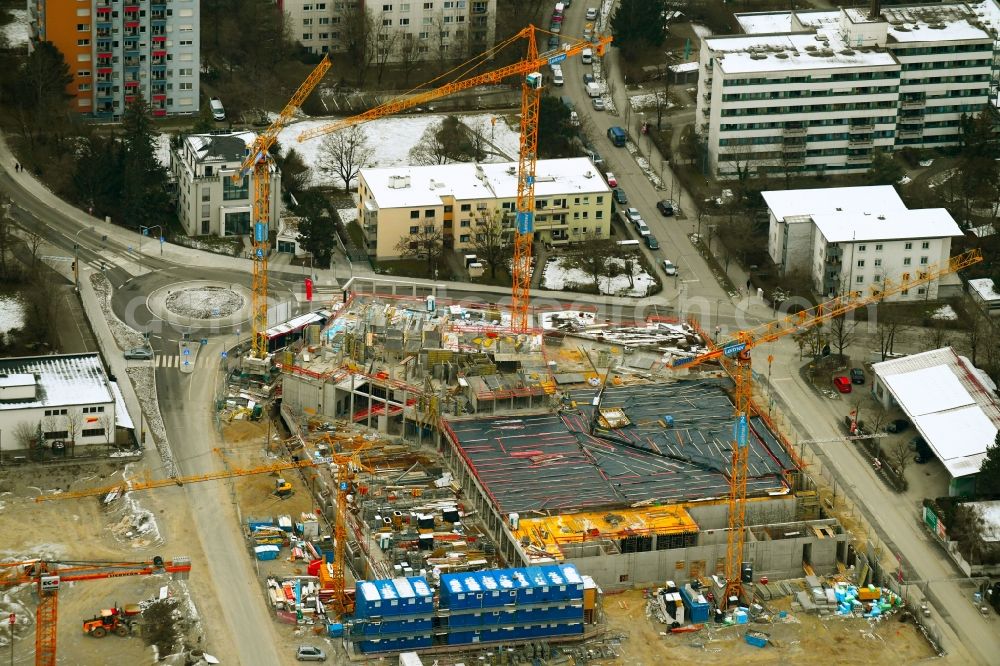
[(17, 167)]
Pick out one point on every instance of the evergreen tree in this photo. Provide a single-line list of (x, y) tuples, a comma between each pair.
[(316, 227), (97, 180), (144, 199), (884, 170), (639, 24), (988, 479), (554, 129), (40, 90)]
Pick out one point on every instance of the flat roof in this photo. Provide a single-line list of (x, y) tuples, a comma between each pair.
[(951, 403), (984, 288), (933, 23), (122, 417), (756, 23), (63, 380), (428, 184), (792, 51), (878, 199), (221, 147), (842, 227), (552, 463)]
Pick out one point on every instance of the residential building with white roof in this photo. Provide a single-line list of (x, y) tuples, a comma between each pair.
[(572, 202), (65, 397), (855, 238), (411, 32), (209, 202), (820, 91), (951, 403), (984, 293)]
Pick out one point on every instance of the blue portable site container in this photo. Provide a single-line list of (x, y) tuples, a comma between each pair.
[(254, 523), (695, 604), (335, 629), (391, 597)]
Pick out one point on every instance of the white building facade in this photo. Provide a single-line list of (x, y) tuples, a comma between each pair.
[(209, 202), (820, 91), (63, 397), (413, 31), (857, 238)]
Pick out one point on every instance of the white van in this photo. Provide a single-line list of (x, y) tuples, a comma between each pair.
[(560, 8), (218, 112), (557, 76), (587, 56), (628, 244), (593, 89)]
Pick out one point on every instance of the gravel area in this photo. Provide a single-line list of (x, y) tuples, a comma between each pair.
[(126, 336), (204, 302)]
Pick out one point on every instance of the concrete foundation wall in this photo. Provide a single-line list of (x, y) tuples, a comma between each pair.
[(774, 559), (715, 516)]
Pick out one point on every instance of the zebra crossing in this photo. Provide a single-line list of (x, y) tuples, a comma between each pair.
[(174, 361)]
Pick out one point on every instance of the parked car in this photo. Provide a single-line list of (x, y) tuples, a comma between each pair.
[(842, 384), (652, 243), (923, 451), (598, 104), (669, 268), (143, 353), (310, 653), (620, 197), (588, 79), (218, 111), (898, 425), (591, 13), (555, 27), (857, 376), (612, 181), (642, 229), (553, 42), (633, 214), (665, 207)]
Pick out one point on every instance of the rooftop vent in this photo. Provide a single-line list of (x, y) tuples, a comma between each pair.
[(758, 56), (588, 174), (783, 56), (511, 171), (881, 217), (847, 52), (840, 209), (399, 182), (811, 47)]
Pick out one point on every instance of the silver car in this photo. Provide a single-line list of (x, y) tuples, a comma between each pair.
[(310, 653), (143, 353), (598, 104)]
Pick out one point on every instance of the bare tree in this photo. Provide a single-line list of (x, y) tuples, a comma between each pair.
[(446, 141), (73, 420), (898, 456), (109, 427), (595, 259), (359, 39), (385, 44), (662, 99), (409, 55), (48, 425), (425, 241), (26, 434), (33, 240), (980, 331), (888, 327), (938, 334), (842, 330), (7, 237), (491, 238), (345, 153)]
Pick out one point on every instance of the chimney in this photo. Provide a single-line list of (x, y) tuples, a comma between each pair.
[(875, 10)]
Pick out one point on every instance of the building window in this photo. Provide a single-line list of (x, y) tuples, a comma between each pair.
[(878, 262), (861, 248), (860, 279), (861, 263), (429, 212), (908, 246), (414, 230), (464, 223), (83, 27), (238, 224), (925, 245), (464, 238), (92, 432), (231, 191), (906, 261), (56, 434), (921, 291), (93, 410), (923, 261), (878, 247), (414, 214)]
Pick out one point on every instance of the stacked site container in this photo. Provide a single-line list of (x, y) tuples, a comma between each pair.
[(393, 614)]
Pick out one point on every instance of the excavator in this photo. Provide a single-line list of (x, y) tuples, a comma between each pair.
[(118, 620)]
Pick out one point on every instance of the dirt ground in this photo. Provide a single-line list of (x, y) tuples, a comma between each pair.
[(800, 639)]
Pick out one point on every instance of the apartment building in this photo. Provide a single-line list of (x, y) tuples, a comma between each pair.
[(414, 31), (856, 238), (208, 200), (572, 202), (820, 91), (118, 50)]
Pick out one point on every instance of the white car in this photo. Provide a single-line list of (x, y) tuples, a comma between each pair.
[(598, 104), (610, 177), (642, 228), (633, 214), (591, 13), (669, 268)]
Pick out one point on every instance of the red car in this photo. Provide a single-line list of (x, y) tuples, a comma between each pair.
[(843, 384)]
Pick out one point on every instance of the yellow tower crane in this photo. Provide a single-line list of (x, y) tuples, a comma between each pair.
[(257, 163), (738, 347)]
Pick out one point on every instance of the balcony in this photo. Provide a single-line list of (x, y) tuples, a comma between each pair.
[(858, 158), (913, 103), (861, 140), (794, 130), (795, 160), (910, 120), (159, 113), (861, 126), (909, 132)]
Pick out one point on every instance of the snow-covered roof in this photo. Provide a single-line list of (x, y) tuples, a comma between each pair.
[(878, 199), (984, 288), (426, 185), (62, 380), (683, 67), (122, 417), (950, 402), (760, 23), (933, 23), (794, 51), (220, 147), (842, 227)]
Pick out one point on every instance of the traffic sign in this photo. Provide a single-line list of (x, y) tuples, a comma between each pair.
[(260, 253), (225, 354), (187, 362), (162, 239), (12, 619), (187, 351), (204, 341), (145, 231)]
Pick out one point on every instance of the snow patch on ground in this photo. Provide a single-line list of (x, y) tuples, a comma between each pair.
[(644, 101), (392, 139), (702, 31), (126, 336), (945, 312), (559, 275), (161, 148), (136, 526), (16, 32), (347, 215), (11, 312), (145, 390)]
